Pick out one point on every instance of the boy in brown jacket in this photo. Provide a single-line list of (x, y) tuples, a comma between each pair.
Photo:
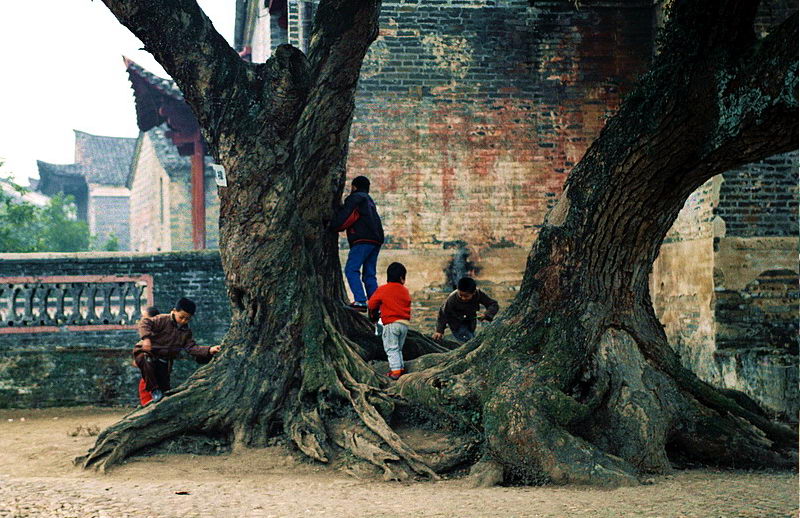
[(459, 312), (162, 338)]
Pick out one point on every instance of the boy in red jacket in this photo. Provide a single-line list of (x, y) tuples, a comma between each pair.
[(393, 302)]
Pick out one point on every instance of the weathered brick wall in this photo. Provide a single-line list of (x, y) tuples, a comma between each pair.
[(761, 199), (111, 217), (756, 304), (81, 367), (180, 199), (470, 114), (756, 296), (148, 216), (725, 284)]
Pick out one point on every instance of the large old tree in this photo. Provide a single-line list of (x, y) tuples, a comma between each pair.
[(575, 383)]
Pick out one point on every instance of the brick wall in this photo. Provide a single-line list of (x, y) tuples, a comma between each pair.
[(149, 214), (469, 115), (161, 214), (761, 199), (94, 367), (112, 217), (180, 211)]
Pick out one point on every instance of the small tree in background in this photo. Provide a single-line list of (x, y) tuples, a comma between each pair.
[(26, 227)]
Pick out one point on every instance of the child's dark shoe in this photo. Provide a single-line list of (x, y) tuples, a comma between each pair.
[(157, 396), (395, 374), (359, 306)]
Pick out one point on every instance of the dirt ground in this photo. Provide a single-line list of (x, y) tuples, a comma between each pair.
[(37, 479)]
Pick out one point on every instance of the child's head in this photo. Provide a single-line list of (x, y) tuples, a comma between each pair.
[(466, 288), (183, 311), (360, 183), (151, 311), (396, 272)]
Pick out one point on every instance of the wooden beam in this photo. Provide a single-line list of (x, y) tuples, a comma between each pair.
[(198, 195)]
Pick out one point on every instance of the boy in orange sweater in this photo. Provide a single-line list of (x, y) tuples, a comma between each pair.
[(392, 304)]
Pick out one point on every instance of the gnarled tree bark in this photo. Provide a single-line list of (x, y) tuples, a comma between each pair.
[(575, 383)]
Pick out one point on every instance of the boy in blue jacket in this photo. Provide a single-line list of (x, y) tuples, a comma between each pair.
[(359, 218)]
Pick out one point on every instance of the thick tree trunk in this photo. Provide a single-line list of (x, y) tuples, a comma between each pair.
[(281, 131), (596, 394), (576, 381)]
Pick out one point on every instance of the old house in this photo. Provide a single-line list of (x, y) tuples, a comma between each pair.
[(96, 180), (174, 202), (159, 181)]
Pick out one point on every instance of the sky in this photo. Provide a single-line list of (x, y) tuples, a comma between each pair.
[(61, 69)]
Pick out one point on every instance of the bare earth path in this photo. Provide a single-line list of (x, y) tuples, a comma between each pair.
[(37, 480)]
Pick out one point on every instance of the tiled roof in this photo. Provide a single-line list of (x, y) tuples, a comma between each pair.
[(54, 178), (158, 100), (30, 196), (167, 153), (105, 160), (100, 160), (165, 86), (48, 169)]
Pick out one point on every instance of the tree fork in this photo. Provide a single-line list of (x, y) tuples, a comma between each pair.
[(575, 382)]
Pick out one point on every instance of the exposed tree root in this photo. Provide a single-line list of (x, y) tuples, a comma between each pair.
[(723, 428), (614, 422), (523, 434), (485, 473), (640, 405), (144, 427)]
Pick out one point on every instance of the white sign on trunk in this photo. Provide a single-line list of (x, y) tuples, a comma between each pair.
[(219, 175)]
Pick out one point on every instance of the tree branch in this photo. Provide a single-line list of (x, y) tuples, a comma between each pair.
[(183, 40), (342, 33), (757, 102)]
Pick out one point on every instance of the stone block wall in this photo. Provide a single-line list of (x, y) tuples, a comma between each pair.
[(725, 284), (61, 365)]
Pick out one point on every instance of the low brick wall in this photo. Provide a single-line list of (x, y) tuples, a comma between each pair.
[(67, 359), (48, 358), (61, 364)]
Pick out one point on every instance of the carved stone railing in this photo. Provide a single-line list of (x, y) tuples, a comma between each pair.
[(74, 302)]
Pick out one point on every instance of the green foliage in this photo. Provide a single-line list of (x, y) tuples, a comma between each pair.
[(112, 245), (25, 227)]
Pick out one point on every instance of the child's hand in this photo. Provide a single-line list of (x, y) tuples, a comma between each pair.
[(374, 315), (214, 349), (486, 318), (437, 336)]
